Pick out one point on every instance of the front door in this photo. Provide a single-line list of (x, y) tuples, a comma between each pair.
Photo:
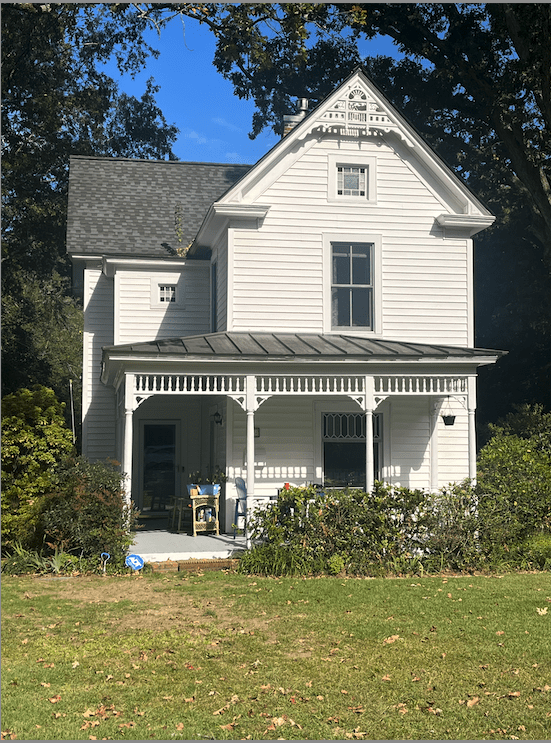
[(160, 465)]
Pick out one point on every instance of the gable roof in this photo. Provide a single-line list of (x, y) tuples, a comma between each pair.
[(120, 206), (356, 108)]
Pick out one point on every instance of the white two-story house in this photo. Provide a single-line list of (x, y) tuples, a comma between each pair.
[(308, 319)]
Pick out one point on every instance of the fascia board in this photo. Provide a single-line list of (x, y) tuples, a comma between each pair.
[(167, 359), (112, 265), (473, 223), (221, 213)]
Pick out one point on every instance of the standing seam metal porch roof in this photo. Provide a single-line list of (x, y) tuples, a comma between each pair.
[(307, 346)]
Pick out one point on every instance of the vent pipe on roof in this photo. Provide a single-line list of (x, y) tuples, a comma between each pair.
[(289, 122)]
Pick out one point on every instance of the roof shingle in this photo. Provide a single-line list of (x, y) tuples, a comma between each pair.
[(119, 206)]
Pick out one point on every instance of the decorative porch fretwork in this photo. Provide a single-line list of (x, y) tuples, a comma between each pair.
[(307, 384)]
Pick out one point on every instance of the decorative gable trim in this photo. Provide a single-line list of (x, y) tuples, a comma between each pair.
[(347, 113)]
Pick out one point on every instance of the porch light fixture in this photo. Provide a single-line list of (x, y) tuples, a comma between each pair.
[(447, 415), (218, 418)]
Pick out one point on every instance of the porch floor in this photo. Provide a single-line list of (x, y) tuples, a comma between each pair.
[(159, 545)]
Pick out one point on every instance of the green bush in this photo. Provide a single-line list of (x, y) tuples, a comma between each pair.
[(86, 513), (337, 530), (514, 482), (34, 440), (452, 540)]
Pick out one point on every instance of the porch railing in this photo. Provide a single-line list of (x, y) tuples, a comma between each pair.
[(311, 384)]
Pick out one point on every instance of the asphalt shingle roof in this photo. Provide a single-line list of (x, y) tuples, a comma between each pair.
[(123, 207), (294, 345)]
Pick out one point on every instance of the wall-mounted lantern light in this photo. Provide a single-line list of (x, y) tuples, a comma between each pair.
[(218, 418)]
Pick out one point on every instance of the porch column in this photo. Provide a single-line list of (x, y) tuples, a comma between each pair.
[(128, 443), (369, 403), (434, 415), (471, 410), (251, 406)]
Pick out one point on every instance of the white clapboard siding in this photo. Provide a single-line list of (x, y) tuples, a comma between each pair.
[(140, 319), (453, 448), (286, 435), (221, 257), (409, 458), (98, 401), (424, 282)]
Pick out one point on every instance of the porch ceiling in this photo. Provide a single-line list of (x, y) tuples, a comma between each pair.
[(282, 346)]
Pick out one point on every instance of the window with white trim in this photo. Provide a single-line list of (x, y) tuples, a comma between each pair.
[(352, 179), (352, 285), (167, 293), (344, 454)]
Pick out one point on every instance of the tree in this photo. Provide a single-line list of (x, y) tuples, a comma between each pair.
[(56, 102), (475, 80), (34, 439), (481, 74)]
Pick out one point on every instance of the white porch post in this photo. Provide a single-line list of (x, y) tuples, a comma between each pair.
[(434, 414), (471, 409), (127, 442), (369, 403), (251, 406)]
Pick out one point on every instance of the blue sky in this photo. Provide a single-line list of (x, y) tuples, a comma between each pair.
[(213, 122)]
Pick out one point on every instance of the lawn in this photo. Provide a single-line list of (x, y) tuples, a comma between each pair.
[(226, 656)]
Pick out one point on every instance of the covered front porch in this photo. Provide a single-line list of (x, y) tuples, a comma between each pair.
[(280, 395)]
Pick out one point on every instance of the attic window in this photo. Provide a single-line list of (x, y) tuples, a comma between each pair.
[(351, 181), (167, 293)]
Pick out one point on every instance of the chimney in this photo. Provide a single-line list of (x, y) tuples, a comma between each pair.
[(289, 122)]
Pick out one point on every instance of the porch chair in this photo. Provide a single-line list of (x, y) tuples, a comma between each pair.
[(240, 503)]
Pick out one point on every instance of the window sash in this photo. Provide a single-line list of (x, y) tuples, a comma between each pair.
[(167, 293), (352, 180), (352, 285)]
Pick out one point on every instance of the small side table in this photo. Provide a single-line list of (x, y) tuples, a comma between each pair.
[(205, 508)]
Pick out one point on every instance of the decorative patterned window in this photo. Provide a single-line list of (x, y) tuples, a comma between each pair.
[(352, 178), (351, 181), (167, 293), (352, 285), (344, 449)]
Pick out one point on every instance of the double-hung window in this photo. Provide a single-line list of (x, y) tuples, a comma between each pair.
[(352, 285)]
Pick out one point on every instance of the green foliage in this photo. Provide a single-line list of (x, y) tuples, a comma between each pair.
[(34, 440), (56, 101), (514, 482), (311, 531), (86, 513), (452, 540)]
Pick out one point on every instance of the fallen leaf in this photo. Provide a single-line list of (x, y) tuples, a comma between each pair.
[(473, 701), (513, 694), (500, 632), (391, 639), (56, 699), (43, 683), (386, 678)]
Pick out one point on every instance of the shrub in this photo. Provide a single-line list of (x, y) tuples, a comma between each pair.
[(86, 512), (514, 482), (452, 540), (309, 531), (34, 439)]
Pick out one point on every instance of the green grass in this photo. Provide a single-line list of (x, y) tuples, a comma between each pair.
[(225, 656)]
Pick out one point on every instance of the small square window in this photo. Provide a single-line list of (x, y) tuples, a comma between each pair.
[(167, 293), (351, 181)]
